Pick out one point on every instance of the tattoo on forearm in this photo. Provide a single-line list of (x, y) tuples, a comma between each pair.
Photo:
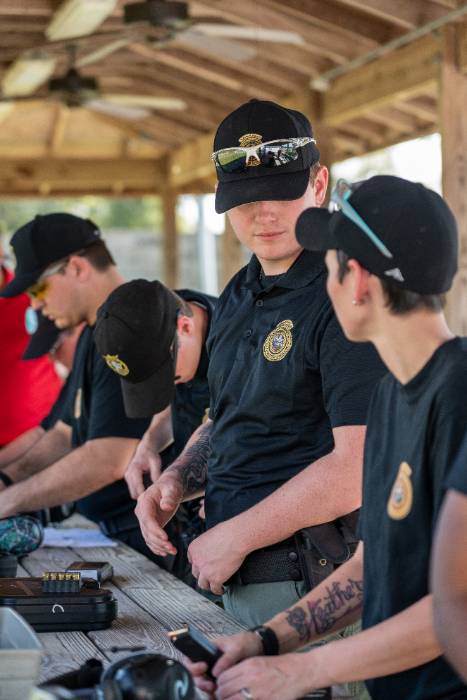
[(319, 616), (193, 463)]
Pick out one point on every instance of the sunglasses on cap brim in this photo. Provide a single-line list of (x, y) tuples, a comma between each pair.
[(271, 154), (339, 202)]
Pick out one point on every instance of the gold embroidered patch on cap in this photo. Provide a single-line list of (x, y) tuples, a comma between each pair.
[(279, 341), (401, 498), (248, 140), (117, 365)]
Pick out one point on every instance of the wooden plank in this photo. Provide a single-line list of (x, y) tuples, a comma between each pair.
[(353, 22), (407, 15), (395, 77), (66, 176), (453, 107)]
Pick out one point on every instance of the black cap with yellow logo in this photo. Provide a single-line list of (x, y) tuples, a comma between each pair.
[(136, 335)]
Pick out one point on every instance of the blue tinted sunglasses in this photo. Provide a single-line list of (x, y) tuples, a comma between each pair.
[(339, 201)]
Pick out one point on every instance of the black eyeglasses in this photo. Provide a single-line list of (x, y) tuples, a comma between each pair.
[(271, 154)]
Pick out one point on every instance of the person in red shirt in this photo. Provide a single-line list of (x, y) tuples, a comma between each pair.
[(29, 388)]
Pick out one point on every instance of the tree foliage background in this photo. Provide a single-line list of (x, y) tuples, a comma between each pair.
[(123, 213)]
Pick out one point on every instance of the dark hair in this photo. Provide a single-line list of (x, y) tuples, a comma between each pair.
[(398, 301), (183, 306), (314, 171), (98, 255)]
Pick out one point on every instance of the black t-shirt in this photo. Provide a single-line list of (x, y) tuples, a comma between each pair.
[(281, 376), (414, 431), (60, 410), (96, 411), (457, 479)]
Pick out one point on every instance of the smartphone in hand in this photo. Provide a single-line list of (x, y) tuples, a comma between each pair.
[(193, 643)]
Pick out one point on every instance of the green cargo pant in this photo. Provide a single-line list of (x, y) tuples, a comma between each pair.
[(255, 603)]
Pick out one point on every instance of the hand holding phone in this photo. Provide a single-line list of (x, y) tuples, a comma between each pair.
[(191, 642)]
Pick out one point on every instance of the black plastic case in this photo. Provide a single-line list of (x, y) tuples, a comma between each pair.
[(90, 609)]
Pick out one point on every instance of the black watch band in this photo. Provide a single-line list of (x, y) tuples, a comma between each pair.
[(7, 481), (268, 638)]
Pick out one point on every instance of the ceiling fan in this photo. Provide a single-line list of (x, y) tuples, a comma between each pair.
[(75, 90), (156, 23)]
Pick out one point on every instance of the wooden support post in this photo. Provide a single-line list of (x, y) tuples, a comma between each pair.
[(170, 248), (453, 108), (232, 259)]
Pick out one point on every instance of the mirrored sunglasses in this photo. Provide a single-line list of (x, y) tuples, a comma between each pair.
[(339, 202), (271, 154)]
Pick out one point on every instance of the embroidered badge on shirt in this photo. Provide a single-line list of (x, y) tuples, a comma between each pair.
[(117, 365), (401, 498), (279, 341)]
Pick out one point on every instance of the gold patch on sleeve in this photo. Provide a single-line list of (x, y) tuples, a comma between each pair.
[(401, 498), (117, 365), (279, 341)]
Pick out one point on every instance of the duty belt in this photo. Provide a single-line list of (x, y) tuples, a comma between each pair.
[(280, 562), (112, 527)]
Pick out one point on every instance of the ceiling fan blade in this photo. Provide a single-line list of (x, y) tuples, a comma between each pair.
[(145, 101), (117, 110), (103, 52), (231, 50), (235, 31)]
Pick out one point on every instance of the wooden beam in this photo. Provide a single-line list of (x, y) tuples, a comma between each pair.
[(395, 77), (453, 107), (232, 259), (170, 242), (53, 176), (407, 15), (58, 129)]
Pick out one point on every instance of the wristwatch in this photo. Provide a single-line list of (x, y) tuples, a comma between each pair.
[(268, 638)]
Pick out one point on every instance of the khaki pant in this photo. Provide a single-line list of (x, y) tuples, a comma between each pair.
[(255, 603)]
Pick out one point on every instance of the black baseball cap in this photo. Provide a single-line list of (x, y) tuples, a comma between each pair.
[(46, 239), (269, 121), (414, 223), (43, 339), (136, 335)]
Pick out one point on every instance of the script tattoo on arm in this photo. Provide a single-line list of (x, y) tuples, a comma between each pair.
[(313, 618), (192, 463)]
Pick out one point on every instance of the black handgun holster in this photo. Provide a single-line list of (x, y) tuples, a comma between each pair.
[(322, 548)]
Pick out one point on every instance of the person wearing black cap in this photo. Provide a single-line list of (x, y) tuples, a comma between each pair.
[(68, 272), (155, 340), (289, 393), (391, 255)]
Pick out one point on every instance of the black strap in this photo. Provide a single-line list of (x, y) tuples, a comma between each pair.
[(268, 638), (7, 480)]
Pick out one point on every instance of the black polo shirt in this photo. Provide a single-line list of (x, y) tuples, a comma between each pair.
[(96, 411), (457, 479), (281, 376), (414, 432), (60, 409)]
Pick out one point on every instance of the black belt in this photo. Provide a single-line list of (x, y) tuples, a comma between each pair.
[(112, 527), (280, 562)]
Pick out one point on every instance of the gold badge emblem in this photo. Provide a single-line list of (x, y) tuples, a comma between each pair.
[(248, 140), (401, 498), (279, 341), (117, 365)]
